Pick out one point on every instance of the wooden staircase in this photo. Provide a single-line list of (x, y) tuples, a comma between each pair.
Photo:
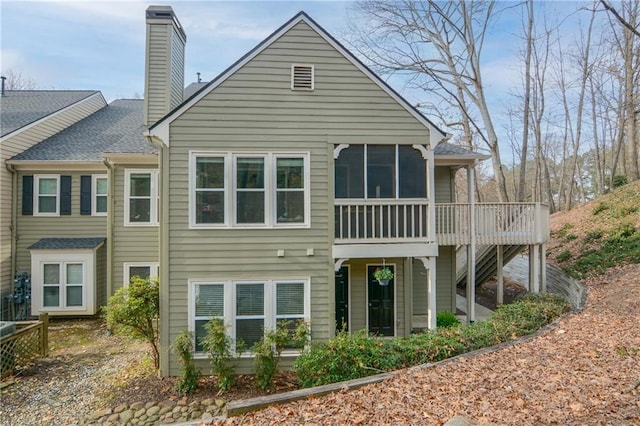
[(486, 262)]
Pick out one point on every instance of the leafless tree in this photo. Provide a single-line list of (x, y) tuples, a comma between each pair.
[(440, 44), (16, 81)]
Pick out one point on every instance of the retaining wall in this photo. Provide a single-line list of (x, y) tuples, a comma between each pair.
[(558, 281)]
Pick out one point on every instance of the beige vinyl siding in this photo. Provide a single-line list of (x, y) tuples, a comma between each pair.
[(130, 243), (444, 184), (445, 283), (255, 110), (33, 228), (177, 71), (18, 142), (165, 79)]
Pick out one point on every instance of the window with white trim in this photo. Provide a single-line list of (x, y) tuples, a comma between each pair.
[(249, 190), (63, 284), (141, 197), (247, 307), (100, 191), (46, 195), (140, 269)]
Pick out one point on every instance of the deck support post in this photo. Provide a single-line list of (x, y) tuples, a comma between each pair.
[(534, 268), (471, 248), (543, 267), (429, 264), (499, 274)]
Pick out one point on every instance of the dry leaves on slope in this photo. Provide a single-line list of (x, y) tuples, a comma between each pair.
[(581, 372)]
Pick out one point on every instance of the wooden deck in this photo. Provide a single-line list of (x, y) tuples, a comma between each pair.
[(409, 221)]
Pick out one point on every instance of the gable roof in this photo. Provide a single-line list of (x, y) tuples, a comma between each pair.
[(160, 128), (116, 128), (19, 108)]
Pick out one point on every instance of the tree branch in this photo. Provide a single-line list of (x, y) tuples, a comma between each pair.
[(620, 18)]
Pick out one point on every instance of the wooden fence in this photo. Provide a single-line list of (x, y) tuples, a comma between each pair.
[(29, 341)]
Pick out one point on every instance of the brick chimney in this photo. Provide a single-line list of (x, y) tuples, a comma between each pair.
[(164, 63)]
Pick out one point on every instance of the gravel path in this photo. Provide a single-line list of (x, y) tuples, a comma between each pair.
[(67, 386)]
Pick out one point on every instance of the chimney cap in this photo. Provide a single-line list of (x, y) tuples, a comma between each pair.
[(157, 13)]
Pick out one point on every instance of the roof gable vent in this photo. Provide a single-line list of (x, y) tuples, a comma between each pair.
[(302, 77)]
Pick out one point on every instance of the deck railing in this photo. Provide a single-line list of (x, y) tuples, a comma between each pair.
[(381, 221), (359, 221), (495, 223)]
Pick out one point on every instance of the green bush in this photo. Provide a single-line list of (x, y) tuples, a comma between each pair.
[(351, 356), (133, 311), (619, 180), (269, 349), (563, 256), (594, 235), (188, 381), (219, 347), (600, 208), (447, 319), (564, 230)]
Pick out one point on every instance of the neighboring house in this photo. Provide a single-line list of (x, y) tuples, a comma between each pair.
[(86, 211), (291, 177), (27, 117)]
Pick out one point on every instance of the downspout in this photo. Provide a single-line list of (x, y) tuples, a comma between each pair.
[(110, 215), (163, 252), (14, 219)]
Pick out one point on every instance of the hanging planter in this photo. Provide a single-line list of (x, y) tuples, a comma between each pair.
[(383, 275)]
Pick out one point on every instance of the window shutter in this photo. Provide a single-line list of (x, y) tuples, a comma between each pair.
[(27, 195), (65, 195), (85, 195), (302, 77)]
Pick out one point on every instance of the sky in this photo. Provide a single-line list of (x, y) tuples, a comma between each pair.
[(100, 45)]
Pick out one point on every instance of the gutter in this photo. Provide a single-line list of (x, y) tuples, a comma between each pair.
[(110, 217)]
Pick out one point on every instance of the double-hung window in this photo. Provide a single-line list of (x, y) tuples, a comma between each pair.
[(47, 193), (248, 307), (62, 284), (140, 269), (100, 191), (249, 190), (141, 197)]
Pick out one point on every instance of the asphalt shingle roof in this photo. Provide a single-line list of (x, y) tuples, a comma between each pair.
[(19, 108), (116, 128), (446, 148), (67, 243)]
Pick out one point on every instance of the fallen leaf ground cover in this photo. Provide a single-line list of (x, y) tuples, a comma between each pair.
[(581, 372)]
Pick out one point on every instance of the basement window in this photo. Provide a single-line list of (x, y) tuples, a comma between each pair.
[(302, 77)]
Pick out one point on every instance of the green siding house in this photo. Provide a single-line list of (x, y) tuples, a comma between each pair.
[(287, 181), (273, 192)]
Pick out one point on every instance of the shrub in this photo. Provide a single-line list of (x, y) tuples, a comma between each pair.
[(594, 235), (188, 381), (563, 256), (268, 349), (600, 208), (619, 180), (571, 237), (133, 311), (219, 347), (351, 356), (564, 229), (447, 319)]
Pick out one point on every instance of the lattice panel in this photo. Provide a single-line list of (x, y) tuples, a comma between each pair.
[(20, 348)]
